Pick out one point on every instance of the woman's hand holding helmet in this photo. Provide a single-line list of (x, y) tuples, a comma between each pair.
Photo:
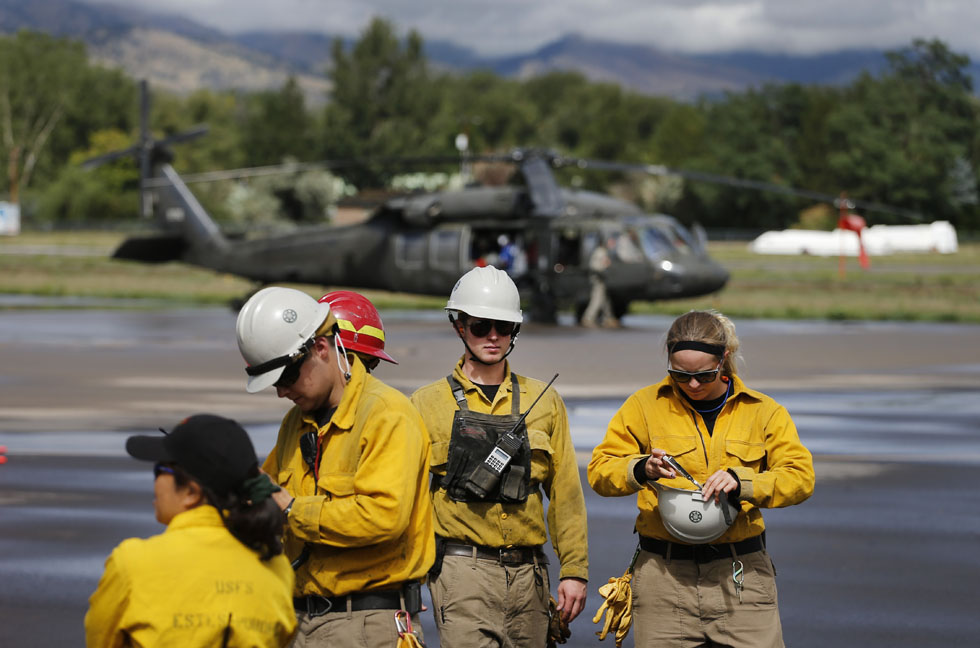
[(720, 482), (656, 467)]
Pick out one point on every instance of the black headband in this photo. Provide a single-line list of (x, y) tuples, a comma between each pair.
[(713, 349)]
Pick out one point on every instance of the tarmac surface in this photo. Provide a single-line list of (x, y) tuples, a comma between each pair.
[(883, 554)]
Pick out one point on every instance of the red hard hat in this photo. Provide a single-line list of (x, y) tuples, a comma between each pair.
[(361, 328)]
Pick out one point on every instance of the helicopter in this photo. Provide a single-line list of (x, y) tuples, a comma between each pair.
[(422, 243)]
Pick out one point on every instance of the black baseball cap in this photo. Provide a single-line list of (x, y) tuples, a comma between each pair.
[(215, 451)]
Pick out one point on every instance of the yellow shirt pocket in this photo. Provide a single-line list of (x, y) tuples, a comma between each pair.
[(337, 485), (678, 446), (745, 453)]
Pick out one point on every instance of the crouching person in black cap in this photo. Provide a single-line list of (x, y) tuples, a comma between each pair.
[(216, 576)]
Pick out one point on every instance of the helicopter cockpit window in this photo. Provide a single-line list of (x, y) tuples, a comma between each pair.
[(410, 251), (682, 239), (627, 247), (655, 245)]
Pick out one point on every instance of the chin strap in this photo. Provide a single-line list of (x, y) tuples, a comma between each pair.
[(513, 341), (342, 353)]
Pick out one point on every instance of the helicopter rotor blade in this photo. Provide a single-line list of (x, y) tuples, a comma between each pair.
[(99, 160), (189, 134), (743, 183)]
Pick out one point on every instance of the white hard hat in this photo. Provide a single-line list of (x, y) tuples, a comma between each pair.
[(487, 293), (690, 518), (272, 328)]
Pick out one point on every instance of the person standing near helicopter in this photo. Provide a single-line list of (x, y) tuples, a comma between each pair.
[(599, 308), (490, 584), (352, 458), (715, 586)]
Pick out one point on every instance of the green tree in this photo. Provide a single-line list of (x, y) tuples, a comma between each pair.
[(746, 136), (382, 100), (906, 138), (494, 113), (108, 103), (276, 126), (40, 77)]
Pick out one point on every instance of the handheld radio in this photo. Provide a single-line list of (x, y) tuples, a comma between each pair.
[(487, 474)]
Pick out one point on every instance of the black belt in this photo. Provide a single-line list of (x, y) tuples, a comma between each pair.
[(509, 555), (703, 553), (319, 605)]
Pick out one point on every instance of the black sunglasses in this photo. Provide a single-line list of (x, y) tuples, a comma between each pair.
[(160, 469), (700, 376), (290, 373), (482, 327)]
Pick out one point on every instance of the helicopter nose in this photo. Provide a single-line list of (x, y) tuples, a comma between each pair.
[(706, 277), (715, 277)]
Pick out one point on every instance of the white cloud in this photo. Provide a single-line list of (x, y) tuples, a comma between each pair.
[(509, 26)]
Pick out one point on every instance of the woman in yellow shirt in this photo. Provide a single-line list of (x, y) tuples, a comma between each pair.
[(216, 576), (702, 575)]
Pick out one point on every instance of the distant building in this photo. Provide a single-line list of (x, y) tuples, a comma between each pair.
[(9, 219)]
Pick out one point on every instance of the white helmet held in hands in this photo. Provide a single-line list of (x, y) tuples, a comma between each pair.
[(690, 518), (274, 327), (486, 293)]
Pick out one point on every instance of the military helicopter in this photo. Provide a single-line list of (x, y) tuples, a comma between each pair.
[(422, 243)]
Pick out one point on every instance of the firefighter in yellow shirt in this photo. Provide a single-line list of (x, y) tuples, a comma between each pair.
[(352, 458), (217, 575), (704, 454), (490, 584)]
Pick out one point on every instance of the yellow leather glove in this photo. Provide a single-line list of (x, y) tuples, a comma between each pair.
[(618, 607), (409, 640), (558, 631)]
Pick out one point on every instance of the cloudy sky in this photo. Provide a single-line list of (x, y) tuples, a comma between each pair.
[(494, 27)]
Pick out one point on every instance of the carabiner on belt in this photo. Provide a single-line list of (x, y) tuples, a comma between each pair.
[(407, 638)]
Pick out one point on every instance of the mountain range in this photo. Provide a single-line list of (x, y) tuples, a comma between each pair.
[(181, 55)]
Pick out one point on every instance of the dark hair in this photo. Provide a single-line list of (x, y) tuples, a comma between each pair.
[(257, 525)]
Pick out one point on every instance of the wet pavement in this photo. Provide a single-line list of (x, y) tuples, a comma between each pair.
[(883, 554)]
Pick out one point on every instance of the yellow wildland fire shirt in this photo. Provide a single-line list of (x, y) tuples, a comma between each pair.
[(366, 517), (753, 436), (185, 586), (554, 473)]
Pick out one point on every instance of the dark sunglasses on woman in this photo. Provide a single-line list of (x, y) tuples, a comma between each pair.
[(700, 376)]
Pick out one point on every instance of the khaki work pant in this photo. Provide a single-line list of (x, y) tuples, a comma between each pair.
[(362, 629), (599, 309), (683, 604), (479, 603)]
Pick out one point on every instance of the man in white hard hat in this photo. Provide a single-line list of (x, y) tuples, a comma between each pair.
[(490, 474), (352, 459)]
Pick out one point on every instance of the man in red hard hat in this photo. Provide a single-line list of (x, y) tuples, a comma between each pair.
[(361, 328)]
